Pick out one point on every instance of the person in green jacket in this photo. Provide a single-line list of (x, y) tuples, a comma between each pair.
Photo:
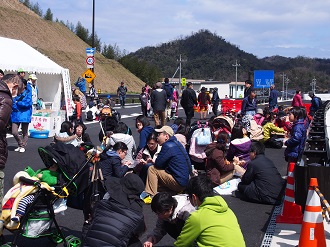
[(48, 175), (213, 223)]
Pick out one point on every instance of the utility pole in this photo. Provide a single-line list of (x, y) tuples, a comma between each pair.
[(286, 93), (236, 65), (313, 84), (93, 34), (284, 75)]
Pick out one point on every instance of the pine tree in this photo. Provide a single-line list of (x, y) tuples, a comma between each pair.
[(49, 15)]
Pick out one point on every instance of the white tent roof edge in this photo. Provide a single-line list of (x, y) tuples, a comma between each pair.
[(17, 54)]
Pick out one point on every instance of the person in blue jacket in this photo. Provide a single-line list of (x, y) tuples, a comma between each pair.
[(172, 166), (295, 144), (21, 115), (81, 84), (143, 127), (111, 160), (249, 104)]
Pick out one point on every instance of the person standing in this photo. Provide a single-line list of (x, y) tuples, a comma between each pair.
[(215, 101), (248, 88), (297, 100), (316, 103), (169, 97), (213, 223), (144, 98), (188, 101), (21, 74), (273, 98), (158, 104), (8, 89), (176, 100), (249, 104), (81, 84), (21, 115), (32, 83), (121, 93), (203, 101)]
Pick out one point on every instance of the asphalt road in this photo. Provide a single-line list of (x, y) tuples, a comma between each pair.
[(253, 218)]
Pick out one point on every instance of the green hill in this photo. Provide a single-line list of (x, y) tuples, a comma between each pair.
[(210, 56)]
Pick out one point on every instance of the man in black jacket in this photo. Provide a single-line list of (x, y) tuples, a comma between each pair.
[(261, 182), (8, 89), (248, 88), (188, 101), (158, 100), (118, 219)]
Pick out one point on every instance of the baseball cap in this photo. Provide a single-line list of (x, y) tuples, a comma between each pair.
[(33, 77), (167, 129), (20, 70)]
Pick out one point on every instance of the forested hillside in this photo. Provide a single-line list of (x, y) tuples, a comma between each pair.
[(210, 56)]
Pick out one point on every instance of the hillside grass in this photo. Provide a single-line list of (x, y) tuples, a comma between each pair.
[(62, 46)]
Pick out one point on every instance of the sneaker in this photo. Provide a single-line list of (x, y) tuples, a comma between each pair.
[(15, 219), (147, 200), (17, 149), (22, 150)]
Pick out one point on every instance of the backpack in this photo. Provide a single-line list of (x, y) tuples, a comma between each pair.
[(200, 138), (320, 101), (169, 90), (89, 115)]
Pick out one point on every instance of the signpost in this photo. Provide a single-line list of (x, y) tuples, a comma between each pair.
[(88, 75), (263, 78), (183, 82)]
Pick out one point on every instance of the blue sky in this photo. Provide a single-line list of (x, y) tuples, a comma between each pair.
[(264, 28)]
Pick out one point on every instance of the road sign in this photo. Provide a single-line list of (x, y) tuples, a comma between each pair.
[(90, 51), (183, 82), (263, 78), (88, 75), (90, 60)]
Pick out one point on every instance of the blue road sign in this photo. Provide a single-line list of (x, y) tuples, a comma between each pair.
[(90, 50), (263, 78)]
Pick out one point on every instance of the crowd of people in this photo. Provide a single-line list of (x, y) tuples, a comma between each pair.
[(159, 168)]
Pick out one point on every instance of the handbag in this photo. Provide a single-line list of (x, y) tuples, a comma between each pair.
[(204, 137)]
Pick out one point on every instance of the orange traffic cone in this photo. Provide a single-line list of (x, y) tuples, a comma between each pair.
[(312, 229), (291, 212)]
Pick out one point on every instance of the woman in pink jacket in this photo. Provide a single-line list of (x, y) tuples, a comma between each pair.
[(297, 100)]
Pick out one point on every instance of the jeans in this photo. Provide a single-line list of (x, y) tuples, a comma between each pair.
[(122, 99), (189, 114)]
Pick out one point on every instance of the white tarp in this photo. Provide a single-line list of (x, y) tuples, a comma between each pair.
[(17, 54), (52, 78)]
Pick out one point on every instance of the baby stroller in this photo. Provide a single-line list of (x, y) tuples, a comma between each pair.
[(39, 218)]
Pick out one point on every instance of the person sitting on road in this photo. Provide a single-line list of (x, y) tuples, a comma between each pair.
[(261, 183), (147, 156), (91, 111), (270, 130), (111, 160), (79, 135), (239, 145), (121, 134), (218, 168), (66, 134), (213, 223), (296, 143), (172, 167), (172, 212), (143, 127)]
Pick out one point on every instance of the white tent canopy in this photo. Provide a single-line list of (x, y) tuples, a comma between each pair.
[(17, 54), (52, 78)]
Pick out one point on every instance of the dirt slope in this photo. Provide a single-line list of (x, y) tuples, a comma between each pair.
[(62, 46)]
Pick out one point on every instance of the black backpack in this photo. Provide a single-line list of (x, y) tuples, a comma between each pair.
[(89, 115)]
